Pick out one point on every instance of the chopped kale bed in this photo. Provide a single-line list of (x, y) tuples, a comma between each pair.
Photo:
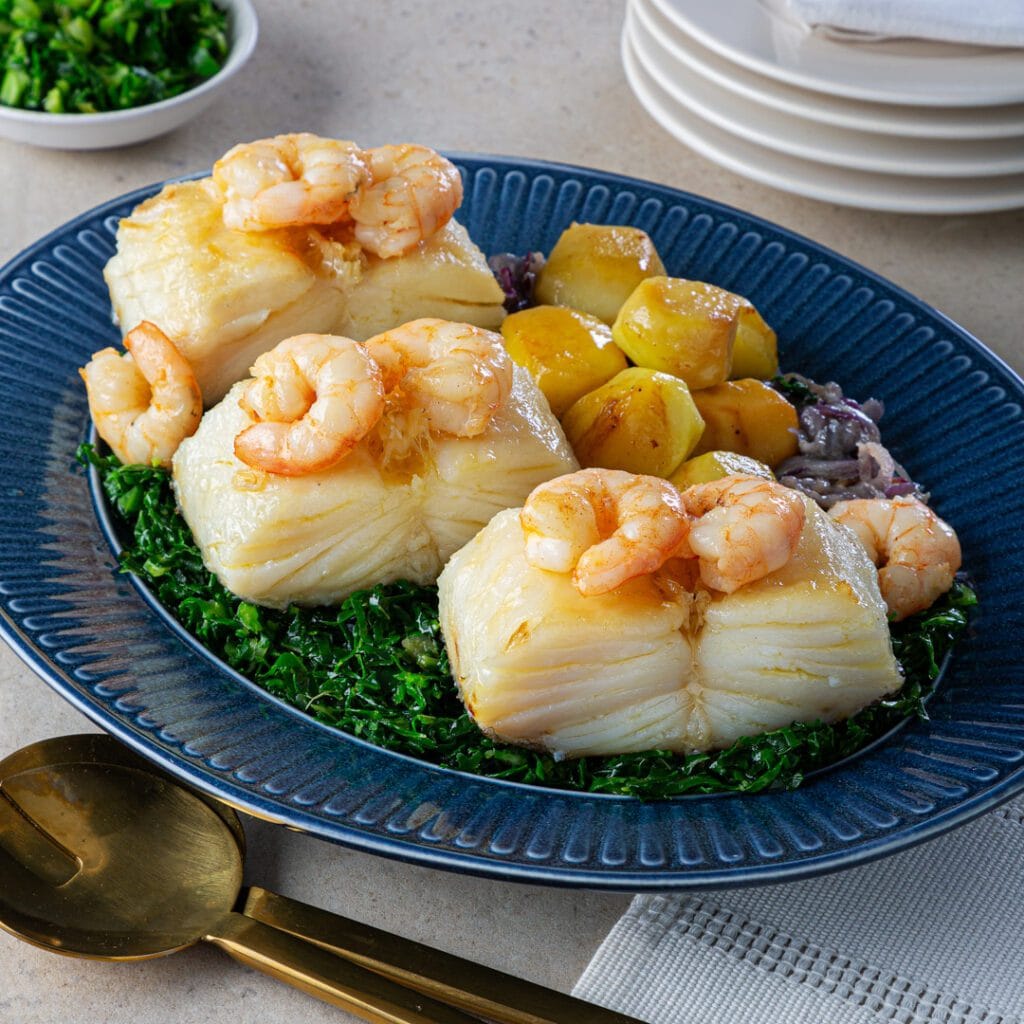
[(376, 667)]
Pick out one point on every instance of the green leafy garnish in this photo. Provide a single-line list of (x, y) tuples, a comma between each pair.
[(376, 667), (794, 389), (85, 56)]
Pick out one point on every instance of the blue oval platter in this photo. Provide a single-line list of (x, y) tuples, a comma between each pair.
[(953, 416)]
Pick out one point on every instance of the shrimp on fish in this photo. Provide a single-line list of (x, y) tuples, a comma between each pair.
[(744, 528), (412, 192), (316, 396), (916, 552), (604, 526), (289, 180), (457, 374), (146, 401)]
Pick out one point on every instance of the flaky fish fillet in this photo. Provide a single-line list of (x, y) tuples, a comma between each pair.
[(314, 539), (445, 277), (654, 665), (225, 296)]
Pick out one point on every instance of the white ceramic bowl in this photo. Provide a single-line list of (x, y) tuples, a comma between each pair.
[(123, 127)]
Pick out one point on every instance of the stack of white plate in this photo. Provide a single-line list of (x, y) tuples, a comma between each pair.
[(904, 125)]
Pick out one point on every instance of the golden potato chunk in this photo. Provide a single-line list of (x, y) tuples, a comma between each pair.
[(747, 417), (641, 421), (686, 328), (702, 469), (568, 353), (595, 267), (755, 352)]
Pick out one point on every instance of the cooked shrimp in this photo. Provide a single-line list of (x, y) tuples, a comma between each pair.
[(146, 401), (457, 374), (603, 525), (316, 397), (745, 527), (917, 553), (289, 180), (411, 193)]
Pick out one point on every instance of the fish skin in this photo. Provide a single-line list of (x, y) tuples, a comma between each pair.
[(224, 296)]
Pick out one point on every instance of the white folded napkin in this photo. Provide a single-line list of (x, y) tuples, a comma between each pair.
[(933, 935), (981, 22)]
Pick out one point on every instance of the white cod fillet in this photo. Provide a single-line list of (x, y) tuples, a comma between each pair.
[(224, 297), (654, 665), (314, 539)]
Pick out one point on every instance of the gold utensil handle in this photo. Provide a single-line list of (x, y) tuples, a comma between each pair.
[(327, 976), (469, 986)]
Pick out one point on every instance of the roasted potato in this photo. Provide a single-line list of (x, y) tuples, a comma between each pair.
[(702, 469), (755, 352), (749, 418), (568, 353), (641, 421), (595, 267), (686, 328)]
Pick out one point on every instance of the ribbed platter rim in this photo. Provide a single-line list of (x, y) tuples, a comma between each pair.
[(496, 186)]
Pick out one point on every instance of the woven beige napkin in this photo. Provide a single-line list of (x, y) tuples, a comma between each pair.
[(932, 935), (981, 22)]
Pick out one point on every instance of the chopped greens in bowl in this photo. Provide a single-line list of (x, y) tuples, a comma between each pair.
[(91, 74), (88, 56)]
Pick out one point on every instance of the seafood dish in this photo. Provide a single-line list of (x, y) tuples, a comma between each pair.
[(273, 245), (646, 541), (788, 622), (390, 482)]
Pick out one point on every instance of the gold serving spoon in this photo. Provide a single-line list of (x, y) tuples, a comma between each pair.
[(104, 856)]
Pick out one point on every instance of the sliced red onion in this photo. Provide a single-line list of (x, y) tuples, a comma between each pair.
[(841, 455), (876, 465), (874, 409), (517, 276), (826, 469)]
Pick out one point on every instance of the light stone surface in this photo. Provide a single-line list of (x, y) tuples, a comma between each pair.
[(531, 78)]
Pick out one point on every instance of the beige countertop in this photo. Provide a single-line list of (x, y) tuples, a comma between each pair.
[(530, 78)]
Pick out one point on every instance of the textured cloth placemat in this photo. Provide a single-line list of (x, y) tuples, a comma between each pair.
[(933, 935)]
